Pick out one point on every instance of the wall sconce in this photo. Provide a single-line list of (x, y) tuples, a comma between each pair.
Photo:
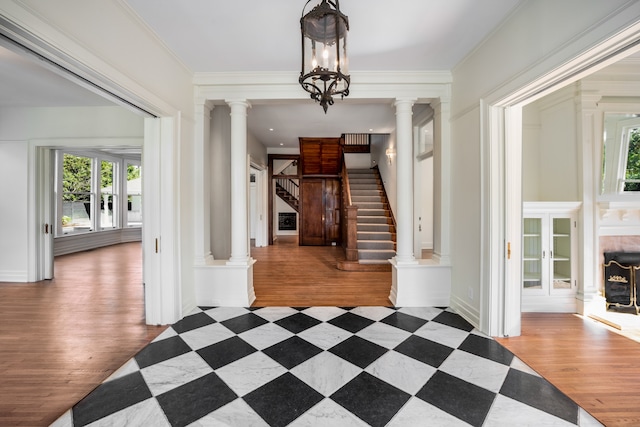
[(390, 154)]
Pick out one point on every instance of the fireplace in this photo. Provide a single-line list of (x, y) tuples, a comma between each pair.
[(620, 284)]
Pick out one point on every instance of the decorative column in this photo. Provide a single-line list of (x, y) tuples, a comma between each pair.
[(202, 183), (239, 184), (404, 182), (589, 131)]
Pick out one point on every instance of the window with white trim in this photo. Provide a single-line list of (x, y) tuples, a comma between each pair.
[(96, 192)]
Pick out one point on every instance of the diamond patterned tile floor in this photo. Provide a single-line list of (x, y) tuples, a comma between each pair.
[(325, 366)]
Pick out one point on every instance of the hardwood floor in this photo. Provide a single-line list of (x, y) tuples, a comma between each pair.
[(597, 368), (61, 338), (287, 274)]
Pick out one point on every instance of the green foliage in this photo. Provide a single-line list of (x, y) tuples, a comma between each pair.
[(66, 220), (76, 177), (633, 161)]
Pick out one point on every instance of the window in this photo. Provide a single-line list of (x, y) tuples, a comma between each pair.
[(98, 192), (76, 194), (631, 180), (134, 195)]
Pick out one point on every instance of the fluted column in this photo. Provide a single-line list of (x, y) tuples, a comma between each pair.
[(442, 181), (239, 184), (404, 181), (202, 183)]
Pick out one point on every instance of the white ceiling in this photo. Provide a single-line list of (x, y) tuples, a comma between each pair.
[(255, 35)]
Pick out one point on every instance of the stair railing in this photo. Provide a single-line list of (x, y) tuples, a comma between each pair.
[(290, 186), (350, 218)]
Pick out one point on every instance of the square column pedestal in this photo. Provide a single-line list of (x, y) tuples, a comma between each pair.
[(221, 284), (423, 283)]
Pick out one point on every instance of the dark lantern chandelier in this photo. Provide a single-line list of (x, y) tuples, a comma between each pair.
[(324, 71)]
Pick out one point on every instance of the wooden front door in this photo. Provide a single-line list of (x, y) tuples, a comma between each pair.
[(320, 211)]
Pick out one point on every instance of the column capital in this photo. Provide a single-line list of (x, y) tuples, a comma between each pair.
[(203, 107), (404, 103), (238, 103)]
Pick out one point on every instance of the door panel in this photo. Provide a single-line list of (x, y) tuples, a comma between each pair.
[(312, 210), (332, 211)]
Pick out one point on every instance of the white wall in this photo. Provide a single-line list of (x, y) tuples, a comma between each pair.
[(220, 182), (13, 211), (357, 160), (379, 145), (549, 160)]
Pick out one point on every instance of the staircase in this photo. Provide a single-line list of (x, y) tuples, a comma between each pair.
[(288, 191), (376, 232)]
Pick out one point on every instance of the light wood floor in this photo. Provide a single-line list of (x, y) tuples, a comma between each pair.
[(287, 274), (59, 339), (597, 368)]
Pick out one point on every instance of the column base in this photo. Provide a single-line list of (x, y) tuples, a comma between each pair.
[(221, 284), (420, 284)]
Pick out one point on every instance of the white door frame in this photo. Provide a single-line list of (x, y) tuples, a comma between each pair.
[(261, 206), (501, 118)]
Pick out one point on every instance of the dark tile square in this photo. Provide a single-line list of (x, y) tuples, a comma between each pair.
[(404, 321), (297, 323), (192, 401), (539, 393), (371, 399), (424, 350), (292, 351), (192, 322), (453, 320), (224, 352), (459, 398), (206, 307), (243, 323), (160, 351), (358, 351), (282, 400), (487, 348), (351, 322), (111, 397)]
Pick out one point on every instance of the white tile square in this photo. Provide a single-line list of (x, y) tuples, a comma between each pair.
[(476, 370), (417, 412), (325, 335), (328, 413), (373, 313), (236, 413), (266, 335), (206, 335), (273, 314), (172, 373), (324, 313), (443, 334), (145, 413), (65, 420), (401, 371), (326, 372), (383, 334), (427, 313), (250, 372), (507, 412), (225, 313)]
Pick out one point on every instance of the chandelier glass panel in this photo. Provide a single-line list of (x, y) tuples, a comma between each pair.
[(325, 65)]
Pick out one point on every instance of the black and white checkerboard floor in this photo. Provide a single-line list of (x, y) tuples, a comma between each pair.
[(325, 366)]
